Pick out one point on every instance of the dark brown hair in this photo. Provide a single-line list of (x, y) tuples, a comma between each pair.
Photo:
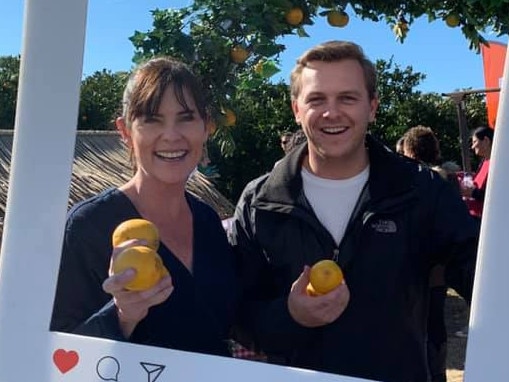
[(334, 51), (149, 81), (423, 144)]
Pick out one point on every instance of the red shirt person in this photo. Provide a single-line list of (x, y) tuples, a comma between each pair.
[(473, 193)]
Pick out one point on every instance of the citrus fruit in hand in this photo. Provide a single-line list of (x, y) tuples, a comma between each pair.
[(140, 229), (147, 264), (324, 276)]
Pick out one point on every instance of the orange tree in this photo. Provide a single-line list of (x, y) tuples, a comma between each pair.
[(234, 46)]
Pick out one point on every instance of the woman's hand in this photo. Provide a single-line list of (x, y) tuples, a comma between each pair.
[(133, 306), (314, 311)]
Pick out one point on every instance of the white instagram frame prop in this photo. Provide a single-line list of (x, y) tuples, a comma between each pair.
[(52, 56)]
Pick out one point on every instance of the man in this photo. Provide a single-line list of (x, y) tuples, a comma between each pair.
[(344, 196), (285, 141)]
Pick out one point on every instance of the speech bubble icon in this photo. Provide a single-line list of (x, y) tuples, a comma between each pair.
[(107, 368)]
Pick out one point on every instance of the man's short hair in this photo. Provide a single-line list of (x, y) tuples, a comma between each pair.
[(334, 51)]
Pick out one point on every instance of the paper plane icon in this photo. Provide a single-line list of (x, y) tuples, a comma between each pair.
[(153, 370)]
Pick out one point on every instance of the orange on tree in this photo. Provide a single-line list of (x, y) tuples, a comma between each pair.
[(452, 20), (324, 276), (294, 16), (147, 264), (229, 118), (211, 127), (337, 18), (140, 229), (238, 54)]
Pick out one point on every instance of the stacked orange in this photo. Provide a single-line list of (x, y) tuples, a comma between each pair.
[(143, 259)]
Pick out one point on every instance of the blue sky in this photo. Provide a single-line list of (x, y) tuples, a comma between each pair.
[(434, 49)]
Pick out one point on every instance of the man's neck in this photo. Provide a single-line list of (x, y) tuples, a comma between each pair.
[(336, 168)]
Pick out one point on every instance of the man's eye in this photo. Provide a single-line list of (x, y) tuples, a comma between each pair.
[(348, 99)]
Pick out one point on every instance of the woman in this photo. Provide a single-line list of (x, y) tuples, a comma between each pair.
[(164, 124), (473, 192)]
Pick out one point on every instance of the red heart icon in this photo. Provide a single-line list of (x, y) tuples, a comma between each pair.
[(65, 360)]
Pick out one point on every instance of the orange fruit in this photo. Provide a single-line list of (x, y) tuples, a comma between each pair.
[(136, 229), (337, 19), (211, 127), (163, 271), (294, 16), (452, 20), (147, 264), (324, 276), (229, 117), (238, 54)]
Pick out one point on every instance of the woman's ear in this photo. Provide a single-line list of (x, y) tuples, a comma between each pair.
[(125, 133)]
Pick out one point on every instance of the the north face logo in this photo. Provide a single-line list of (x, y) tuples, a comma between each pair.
[(385, 226)]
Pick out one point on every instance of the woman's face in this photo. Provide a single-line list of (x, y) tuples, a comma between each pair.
[(481, 147), (168, 145)]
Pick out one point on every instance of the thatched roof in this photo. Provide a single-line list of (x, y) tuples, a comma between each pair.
[(101, 161)]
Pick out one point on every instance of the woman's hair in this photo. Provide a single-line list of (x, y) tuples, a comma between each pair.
[(483, 132), (422, 144), (334, 51), (148, 82)]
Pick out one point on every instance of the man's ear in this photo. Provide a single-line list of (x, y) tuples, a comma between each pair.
[(295, 108), (125, 133), (374, 107)]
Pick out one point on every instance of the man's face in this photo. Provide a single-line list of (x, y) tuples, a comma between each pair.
[(334, 110)]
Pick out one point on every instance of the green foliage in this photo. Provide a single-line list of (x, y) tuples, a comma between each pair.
[(402, 107), (9, 76), (264, 112), (101, 99)]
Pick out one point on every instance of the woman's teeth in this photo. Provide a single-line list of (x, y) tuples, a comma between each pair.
[(171, 154)]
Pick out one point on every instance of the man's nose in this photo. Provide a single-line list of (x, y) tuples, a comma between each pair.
[(332, 111)]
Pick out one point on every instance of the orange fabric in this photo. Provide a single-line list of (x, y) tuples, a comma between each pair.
[(493, 57)]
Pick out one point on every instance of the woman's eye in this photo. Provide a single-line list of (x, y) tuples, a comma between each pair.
[(150, 119)]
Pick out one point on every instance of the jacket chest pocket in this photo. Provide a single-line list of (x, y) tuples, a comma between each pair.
[(289, 245)]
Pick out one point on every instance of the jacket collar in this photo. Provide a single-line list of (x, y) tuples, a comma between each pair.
[(390, 175)]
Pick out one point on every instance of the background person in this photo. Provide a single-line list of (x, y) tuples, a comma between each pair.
[(482, 140), (163, 124), (344, 196), (420, 143), (285, 140)]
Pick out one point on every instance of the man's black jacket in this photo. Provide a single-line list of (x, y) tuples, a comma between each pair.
[(407, 219)]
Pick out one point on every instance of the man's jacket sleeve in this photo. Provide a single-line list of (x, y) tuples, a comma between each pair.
[(264, 320), (456, 234)]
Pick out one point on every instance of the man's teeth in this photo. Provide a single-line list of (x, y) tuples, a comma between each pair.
[(171, 154), (334, 130)]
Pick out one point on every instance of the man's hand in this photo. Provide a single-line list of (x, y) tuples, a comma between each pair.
[(315, 311)]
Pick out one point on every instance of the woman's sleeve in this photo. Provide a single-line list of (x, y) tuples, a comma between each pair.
[(81, 306)]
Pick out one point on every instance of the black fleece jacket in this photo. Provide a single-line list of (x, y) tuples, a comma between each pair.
[(407, 220)]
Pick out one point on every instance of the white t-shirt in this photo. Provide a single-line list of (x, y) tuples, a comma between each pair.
[(333, 200)]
